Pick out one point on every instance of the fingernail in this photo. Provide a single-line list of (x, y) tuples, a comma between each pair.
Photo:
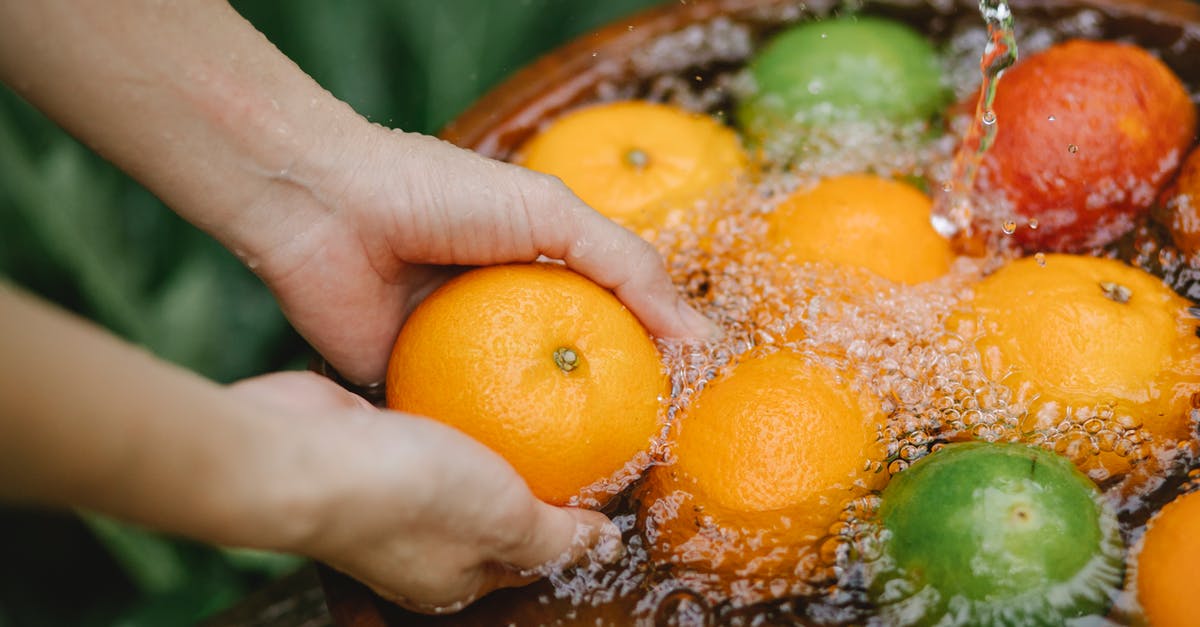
[(700, 326)]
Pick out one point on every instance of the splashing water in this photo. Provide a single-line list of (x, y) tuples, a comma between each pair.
[(891, 340), (998, 55)]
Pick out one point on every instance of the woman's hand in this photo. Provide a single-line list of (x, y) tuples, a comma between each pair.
[(288, 462), (348, 223), (398, 217), (426, 516)]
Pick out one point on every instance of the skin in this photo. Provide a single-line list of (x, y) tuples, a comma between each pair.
[(343, 220)]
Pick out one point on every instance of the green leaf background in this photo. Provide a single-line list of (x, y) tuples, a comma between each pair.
[(80, 233)]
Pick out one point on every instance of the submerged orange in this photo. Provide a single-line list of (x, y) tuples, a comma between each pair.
[(766, 458), (862, 221), (1166, 565)]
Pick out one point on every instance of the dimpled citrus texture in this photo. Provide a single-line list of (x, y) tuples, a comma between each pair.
[(1088, 132), (773, 451), (1167, 586), (636, 161), (857, 68), (479, 355), (1057, 333), (862, 221), (1007, 534)]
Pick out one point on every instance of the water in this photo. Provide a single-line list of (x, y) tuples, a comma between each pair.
[(1000, 53), (891, 340)]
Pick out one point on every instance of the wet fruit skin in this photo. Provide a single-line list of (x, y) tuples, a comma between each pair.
[(1000, 528), (768, 454), (860, 68), (538, 363), (637, 162), (1166, 565), (1070, 333), (1181, 206), (1088, 133), (862, 221)]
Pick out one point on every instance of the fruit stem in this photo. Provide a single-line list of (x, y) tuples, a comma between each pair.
[(566, 358), (1116, 292), (637, 158)]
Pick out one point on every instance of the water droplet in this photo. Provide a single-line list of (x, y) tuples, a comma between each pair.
[(1116, 292), (1009, 227), (1040, 258), (989, 117), (1033, 223), (1072, 148), (1052, 118)]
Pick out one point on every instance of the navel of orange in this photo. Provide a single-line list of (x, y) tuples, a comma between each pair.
[(636, 161), (1073, 335), (540, 364)]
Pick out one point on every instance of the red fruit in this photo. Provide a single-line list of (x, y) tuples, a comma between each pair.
[(1089, 131)]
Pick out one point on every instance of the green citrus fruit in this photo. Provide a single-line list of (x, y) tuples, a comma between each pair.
[(854, 68), (983, 534)]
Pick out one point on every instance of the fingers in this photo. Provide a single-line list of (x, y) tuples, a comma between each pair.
[(617, 259), (300, 391), (561, 537), (501, 213)]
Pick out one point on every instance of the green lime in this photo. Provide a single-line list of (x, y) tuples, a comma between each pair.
[(852, 68), (982, 534)]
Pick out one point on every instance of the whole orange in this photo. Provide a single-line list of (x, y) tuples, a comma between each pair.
[(862, 221), (1080, 337), (1088, 132), (766, 458), (1166, 566), (538, 363), (636, 161)]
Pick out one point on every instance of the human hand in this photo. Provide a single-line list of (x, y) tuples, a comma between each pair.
[(349, 224), (392, 219), (424, 515)]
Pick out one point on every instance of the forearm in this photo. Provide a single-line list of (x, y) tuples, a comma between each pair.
[(88, 421), (189, 99)]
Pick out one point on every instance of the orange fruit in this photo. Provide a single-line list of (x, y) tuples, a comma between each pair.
[(538, 363), (766, 458), (1182, 206), (1088, 133), (1080, 338), (862, 221), (1166, 566), (635, 161)]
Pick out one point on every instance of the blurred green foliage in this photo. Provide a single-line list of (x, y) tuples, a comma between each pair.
[(79, 233)]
